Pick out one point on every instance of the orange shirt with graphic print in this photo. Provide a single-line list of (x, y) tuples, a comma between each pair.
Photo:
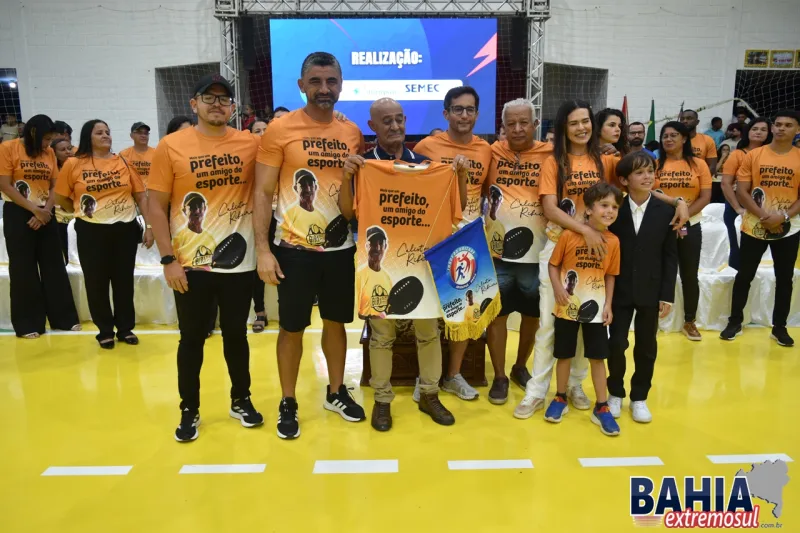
[(416, 207), (584, 174), (704, 146), (515, 222), (101, 189), (774, 180), (443, 149), (678, 179), (140, 161), (210, 181), (31, 177), (311, 156), (583, 275)]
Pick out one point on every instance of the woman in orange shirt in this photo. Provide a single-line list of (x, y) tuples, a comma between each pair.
[(680, 175), (754, 135), (103, 190), (63, 150), (40, 287), (614, 130)]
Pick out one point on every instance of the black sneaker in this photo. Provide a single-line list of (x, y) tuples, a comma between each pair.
[(187, 430), (780, 335), (288, 427), (730, 332), (343, 403), (244, 411)]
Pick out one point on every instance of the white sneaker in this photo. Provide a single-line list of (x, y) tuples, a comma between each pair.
[(529, 405), (640, 412), (578, 398), (615, 406), (415, 396), (458, 385)]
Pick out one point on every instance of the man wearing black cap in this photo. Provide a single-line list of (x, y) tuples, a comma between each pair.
[(216, 163), (140, 155)]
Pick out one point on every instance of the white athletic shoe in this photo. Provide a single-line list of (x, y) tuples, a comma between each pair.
[(528, 406), (615, 406), (458, 385), (640, 412), (415, 396), (578, 398)]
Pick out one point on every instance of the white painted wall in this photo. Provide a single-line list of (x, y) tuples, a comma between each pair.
[(672, 51), (76, 61)]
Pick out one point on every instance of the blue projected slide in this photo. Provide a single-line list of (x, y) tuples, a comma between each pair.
[(414, 61)]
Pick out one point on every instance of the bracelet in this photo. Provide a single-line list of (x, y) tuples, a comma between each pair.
[(148, 226), (677, 201)]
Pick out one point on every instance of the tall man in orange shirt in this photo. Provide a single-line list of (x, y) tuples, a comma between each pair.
[(703, 146), (461, 112), (140, 155), (319, 262), (205, 175)]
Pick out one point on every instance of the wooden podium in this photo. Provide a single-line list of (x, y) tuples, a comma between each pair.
[(405, 367)]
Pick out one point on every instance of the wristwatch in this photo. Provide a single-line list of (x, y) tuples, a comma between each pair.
[(167, 260), (148, 226), (785, 216)]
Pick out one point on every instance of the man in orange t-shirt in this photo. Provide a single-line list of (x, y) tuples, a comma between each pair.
[(205, 175), (768, 185), (703, 146), (302, 156), (140, 155)]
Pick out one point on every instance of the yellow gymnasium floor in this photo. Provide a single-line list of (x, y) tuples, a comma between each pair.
[(64, 402)]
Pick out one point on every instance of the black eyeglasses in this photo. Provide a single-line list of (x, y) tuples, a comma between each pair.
[(458, 110), (209, 99)]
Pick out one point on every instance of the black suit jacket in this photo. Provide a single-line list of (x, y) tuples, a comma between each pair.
[(649, 259)]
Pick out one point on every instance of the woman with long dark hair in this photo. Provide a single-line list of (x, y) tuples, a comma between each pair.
[(681, 175), (62, 146), (103, 190), (40, 288), (614, 130), (754, 135), (576, 165)]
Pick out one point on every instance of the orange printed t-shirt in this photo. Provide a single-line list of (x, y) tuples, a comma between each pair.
[(732, 164), (584, 174), (311, 156), (680, 180), (101, 189), (584, 274), (774, 180), (515, 221), (141, 162), (31, 177), (415, 207), (210, 181), (441, 148), (704, 146)]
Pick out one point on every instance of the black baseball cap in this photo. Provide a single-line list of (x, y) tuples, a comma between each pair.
[(376, 233), (137, 125), (212, 79)]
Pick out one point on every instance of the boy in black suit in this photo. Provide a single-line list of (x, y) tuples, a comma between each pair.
[(645, 284)]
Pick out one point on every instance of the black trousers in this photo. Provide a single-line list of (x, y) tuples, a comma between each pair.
[(63, 237), (40, 288), (730, 218), (688, 266), (108, 254), (645, 350), (232, 293), (784, 255)]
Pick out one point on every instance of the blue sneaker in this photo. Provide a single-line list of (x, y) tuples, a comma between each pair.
[(556, 410), (603, 418)]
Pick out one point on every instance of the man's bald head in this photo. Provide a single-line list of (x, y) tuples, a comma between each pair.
[(387, 120)]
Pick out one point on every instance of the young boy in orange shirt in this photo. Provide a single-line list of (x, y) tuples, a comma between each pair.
[(583, 284)]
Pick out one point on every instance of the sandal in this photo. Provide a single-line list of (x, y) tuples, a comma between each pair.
[(33, 335), (259, 323), (131, 339), (107, 344)]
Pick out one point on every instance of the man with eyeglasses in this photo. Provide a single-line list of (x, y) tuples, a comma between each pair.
[(636, 133), (140, 155), (214, 163), (459, 142)]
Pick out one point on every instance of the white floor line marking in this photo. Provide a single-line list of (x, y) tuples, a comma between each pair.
[(87, 470), (595, 462), (223, 469), (163, 332), (500, 464), (748, 458), (388, 466)]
